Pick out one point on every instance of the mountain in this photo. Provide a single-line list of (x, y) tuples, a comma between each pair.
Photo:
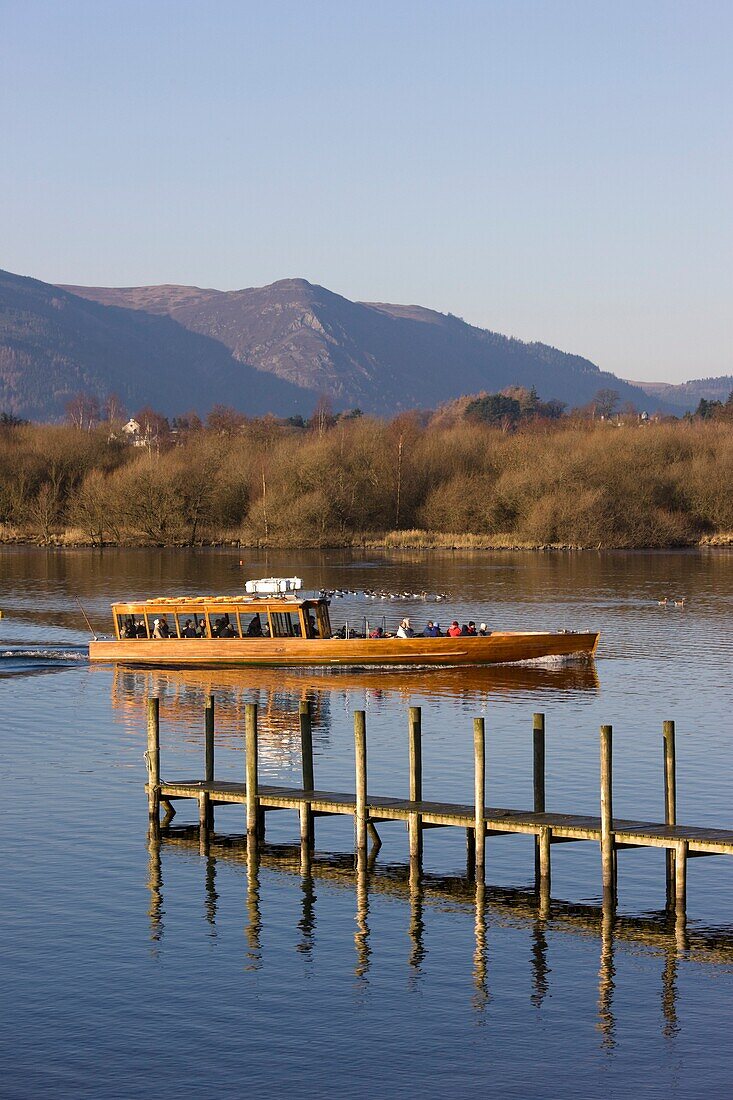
[(382, 358), (54, 344), (685, 397), (266, 349)]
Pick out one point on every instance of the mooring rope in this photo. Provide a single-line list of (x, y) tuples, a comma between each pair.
[(154, 786)]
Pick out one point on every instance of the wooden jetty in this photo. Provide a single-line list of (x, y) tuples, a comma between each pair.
[(480, 822)]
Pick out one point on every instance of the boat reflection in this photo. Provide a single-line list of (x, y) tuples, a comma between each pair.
[(279, 692), (182, 692)]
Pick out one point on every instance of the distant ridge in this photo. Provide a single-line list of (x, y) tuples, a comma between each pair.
[(273, 349), (686, 396), (382, 357)]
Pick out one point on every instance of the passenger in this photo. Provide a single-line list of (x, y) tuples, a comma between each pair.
[(454, 630), (464, 630), (432, 630), (130, 629), (471, 631), (217, 627), (483, 632), (164, 629), (189, 630), (377, 632), (141, 631), (312, 628), (254, 630), (201, 631), (405, 630), (156, 629), (228, 631)]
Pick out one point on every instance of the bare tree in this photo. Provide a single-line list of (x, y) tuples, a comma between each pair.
[(225, 420), (606, 402), (322, 418), (82, 411), (114, 410)]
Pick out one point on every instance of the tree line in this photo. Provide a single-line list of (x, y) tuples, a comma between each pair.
[(448, 477)]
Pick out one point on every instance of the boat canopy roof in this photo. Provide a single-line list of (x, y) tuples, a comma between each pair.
[(248, 604)]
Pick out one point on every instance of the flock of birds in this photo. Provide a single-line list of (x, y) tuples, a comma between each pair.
[(380, 594), (666, 602)]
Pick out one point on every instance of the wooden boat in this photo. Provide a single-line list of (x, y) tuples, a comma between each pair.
[(281, 629)]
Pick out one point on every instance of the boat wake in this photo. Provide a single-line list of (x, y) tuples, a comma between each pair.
[(553, 661), (16, 659)]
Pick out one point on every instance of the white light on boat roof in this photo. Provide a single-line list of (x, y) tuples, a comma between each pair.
[(269, 586)]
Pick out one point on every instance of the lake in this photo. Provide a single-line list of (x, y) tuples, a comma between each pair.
[(130, 969)]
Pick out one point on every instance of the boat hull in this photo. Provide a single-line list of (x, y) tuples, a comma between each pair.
[(498, 648)]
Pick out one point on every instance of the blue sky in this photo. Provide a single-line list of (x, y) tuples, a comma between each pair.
[(558, 171)]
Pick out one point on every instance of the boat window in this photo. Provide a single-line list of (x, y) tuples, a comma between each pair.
[(252, 627), (324, 622), (126, 626), (222, 625), (285, 624), (312, 626), (160, 626)]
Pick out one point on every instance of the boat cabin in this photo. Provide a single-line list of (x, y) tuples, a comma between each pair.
[(248, 617)]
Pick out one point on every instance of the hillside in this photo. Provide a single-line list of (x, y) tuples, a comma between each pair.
[(54, 344), (382, 358)]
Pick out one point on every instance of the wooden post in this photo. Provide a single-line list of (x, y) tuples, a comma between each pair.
[(206, 816), (680, 878), (203, 812), (360, 819), (670, 803), (479, 755), (544, 841), (415, 820), (153, 759), (253, 801), (209, 736), (306, 756), (538, 774), (607, 842), (470, 853)]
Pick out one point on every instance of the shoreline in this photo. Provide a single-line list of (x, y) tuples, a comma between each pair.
[(393, 540)]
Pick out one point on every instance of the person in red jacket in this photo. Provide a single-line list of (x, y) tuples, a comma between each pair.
[(454, 630)]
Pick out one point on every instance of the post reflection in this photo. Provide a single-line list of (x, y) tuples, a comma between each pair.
[(155, 884), (417, 923), (540, 968), (669, 996), (211, 895), (253, 928), (606, 982), (481, 994), (660, 934), (361, 936), (307, 922)]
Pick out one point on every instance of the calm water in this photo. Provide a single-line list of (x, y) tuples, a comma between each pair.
[(130, 971)]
